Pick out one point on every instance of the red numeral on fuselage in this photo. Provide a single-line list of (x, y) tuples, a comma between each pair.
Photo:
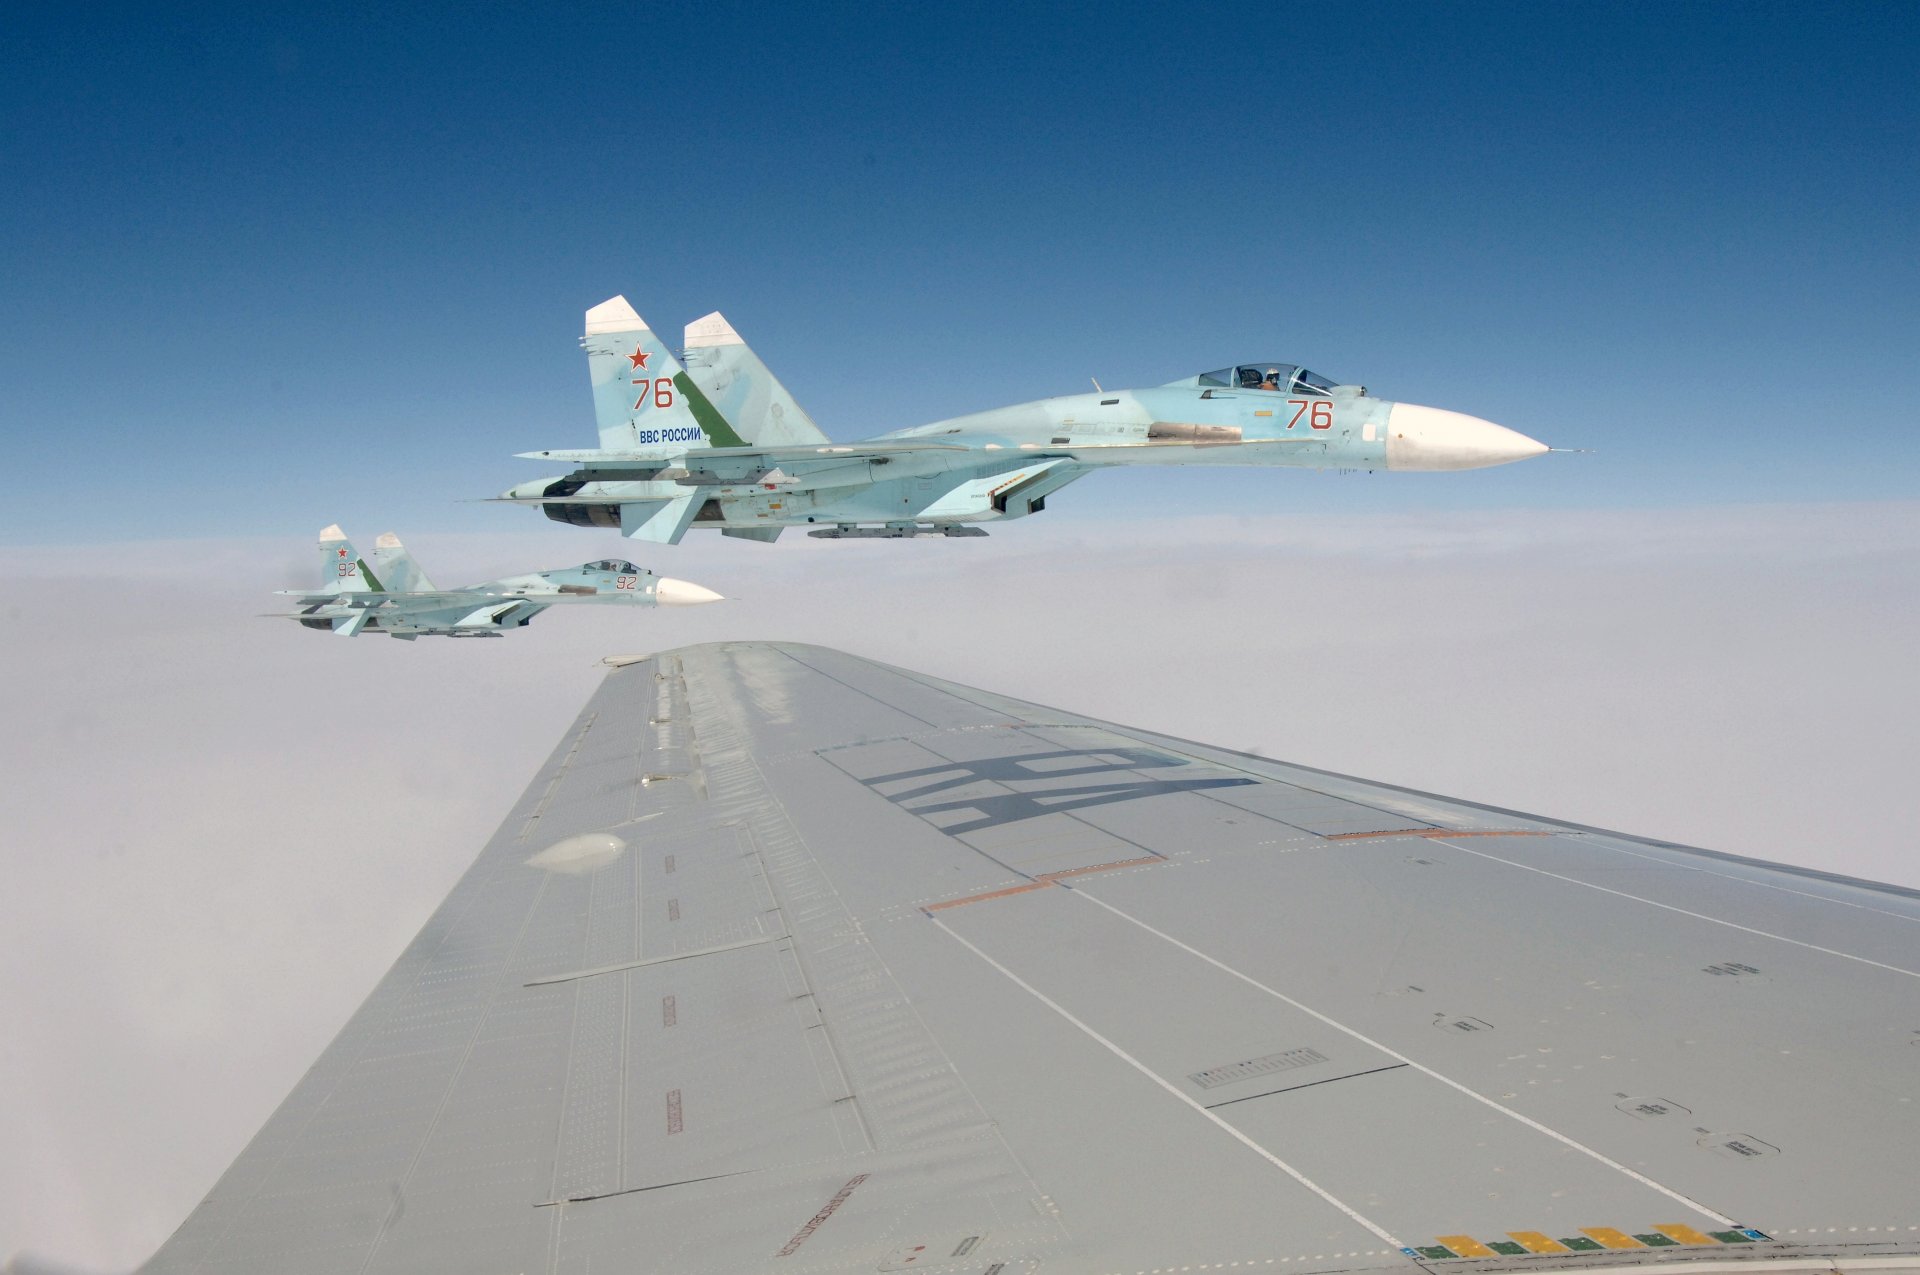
[(661, 392), (1320, 417)]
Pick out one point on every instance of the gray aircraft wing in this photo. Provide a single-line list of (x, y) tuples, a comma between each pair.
[(791, 962)]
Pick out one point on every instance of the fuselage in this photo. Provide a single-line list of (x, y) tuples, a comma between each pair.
[(1193, 424), (1003, 463)]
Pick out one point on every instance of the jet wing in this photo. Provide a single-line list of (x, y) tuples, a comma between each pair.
[(791, 962)]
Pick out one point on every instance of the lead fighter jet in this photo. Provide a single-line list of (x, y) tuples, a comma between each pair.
[(719, 442), (392, 595)]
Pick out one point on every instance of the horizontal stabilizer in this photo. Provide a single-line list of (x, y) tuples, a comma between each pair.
[(661, 521)]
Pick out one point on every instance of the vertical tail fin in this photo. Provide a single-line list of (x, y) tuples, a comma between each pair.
[(743, 389), (642, 397), (342, 570), (398, 571)]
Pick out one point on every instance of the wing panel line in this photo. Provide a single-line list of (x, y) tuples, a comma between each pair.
[(1167, 1085), (572, 975), (1550, 825), (1764, 885), (1699, 916), (1421, 1067), (1330, 1080), (453, 1082), (841, 682)]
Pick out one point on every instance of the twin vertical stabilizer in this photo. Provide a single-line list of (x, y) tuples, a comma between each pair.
[(743, 388), (398, 571), (642, 398), (342, 569)]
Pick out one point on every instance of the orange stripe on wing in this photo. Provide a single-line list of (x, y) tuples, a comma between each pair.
[(982, 898), (1041, 882), (1100, 867), (1440, 833)]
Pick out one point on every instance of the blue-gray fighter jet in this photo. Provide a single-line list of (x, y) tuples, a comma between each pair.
[(392, 595), (719, 442)]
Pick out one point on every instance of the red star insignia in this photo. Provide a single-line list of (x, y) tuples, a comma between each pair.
[(639, 357), (343, 553)]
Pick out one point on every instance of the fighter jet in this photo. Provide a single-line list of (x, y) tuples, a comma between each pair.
[(392, 595), (719, 442)]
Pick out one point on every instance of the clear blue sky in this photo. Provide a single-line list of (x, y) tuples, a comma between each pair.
[(265, 270)]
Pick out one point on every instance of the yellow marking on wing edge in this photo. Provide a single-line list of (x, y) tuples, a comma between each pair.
[(1685, 1234), (1535, 1242), (1467, 1246), (1610, 1237)]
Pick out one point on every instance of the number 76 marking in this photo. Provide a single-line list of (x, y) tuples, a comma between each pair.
[(1321, 416), (661, 392)]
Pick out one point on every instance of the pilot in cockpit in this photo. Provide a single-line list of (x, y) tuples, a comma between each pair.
[(1272, 381)]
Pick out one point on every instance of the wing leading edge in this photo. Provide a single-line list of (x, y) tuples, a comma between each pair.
[(788, 961)]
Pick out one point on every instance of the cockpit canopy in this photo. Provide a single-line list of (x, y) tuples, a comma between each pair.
[(1288, 378), (614, 565)]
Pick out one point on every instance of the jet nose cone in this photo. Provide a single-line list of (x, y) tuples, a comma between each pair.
[(1433, 438), (682, 593)]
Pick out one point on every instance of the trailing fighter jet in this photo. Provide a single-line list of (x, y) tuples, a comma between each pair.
[(392, 595), (719, 442)]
